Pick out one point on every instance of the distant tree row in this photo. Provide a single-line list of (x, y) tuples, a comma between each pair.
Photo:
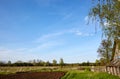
[(33, 63), (47, 63)]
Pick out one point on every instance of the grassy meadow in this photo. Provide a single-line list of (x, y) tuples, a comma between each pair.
[(88, 75), (72, 72), (11, 70)]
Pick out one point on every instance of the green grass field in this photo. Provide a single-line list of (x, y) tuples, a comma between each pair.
[(72, 72), (11, 70), (88, 75)]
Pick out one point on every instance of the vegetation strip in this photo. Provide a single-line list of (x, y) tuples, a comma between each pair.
[(88, 75)]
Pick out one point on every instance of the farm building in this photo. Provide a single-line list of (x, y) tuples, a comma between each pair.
[(114, 66)]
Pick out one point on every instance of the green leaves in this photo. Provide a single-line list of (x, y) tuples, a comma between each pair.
[(107, 11)]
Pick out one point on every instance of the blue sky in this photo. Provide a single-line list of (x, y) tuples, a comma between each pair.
[(47, 30)]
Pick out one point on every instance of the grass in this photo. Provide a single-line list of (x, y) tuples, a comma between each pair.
[(11, 70), (72, 72), (88, 75)]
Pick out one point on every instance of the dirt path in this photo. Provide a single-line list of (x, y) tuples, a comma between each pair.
[(34, 75)]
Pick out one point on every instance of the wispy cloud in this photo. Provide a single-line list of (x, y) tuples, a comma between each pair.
[(26, 53), (86, 18), (45, 3), (84, 34), (46, 46), (74, 31), (11, 54), (49, 44), (43, 44), (49, 36), (80, 33), (67, 16), (9, 51)]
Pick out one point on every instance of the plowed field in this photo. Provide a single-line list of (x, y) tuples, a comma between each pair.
[(34, 75)]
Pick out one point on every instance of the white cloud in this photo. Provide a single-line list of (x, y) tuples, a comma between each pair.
[(40, 46), (89, 34), (84, 34), (46, 45), (86, 18), (12, 54), (16, 54), (49, 36), (45, 3), (26, 53), (5, 51), (67, 16), (78, 33)]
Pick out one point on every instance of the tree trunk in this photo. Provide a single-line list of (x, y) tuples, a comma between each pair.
[(113, 51)]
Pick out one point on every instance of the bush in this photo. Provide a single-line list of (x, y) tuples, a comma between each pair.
[(87, 69)]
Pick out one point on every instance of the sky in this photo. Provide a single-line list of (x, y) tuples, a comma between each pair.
[(47, 30)]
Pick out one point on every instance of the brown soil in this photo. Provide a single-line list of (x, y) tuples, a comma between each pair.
[(34, 75)]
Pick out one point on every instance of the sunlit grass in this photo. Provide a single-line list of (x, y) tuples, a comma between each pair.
[(72, 72), (10, 70), (88, 75)]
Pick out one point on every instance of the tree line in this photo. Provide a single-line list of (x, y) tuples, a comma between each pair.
[(33, 63), (47, 63)]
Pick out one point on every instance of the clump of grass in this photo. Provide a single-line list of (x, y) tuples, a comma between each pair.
[(87, 69), (105, 76)]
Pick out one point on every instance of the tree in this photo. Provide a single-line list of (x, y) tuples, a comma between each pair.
[(2, 63), (97, 62), (88, 63), (107, 14), (105, 51), (102, 61), (40, 63), (47, 63), (9, 63), (54, 62), (34, 62), (61, 62)]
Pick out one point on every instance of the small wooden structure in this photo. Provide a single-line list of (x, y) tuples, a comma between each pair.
[(114, 66)]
